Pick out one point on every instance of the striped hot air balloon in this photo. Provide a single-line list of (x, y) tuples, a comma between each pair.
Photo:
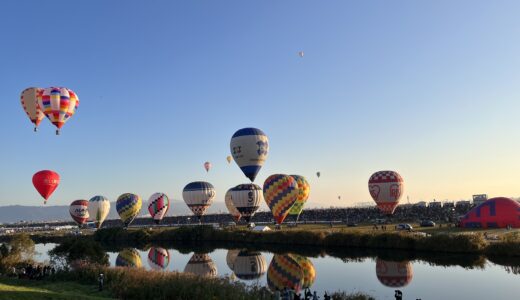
[(158, 258), (284, 272), (280, 193), (128, 207), (98, 209), (249, 265), (249, 148), (129, 257), (79, 211), (198, 196), (386, 188), (304, 190), (201, 264), (247, 198), (158, 205), (233, 211), (29, 100), (58, 104)]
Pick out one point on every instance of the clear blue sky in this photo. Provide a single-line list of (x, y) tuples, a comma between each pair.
[(427, 88)]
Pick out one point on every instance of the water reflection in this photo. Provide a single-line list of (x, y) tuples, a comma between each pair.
[(284, 273), (202, 265), (158, 258), (249, 265), (309, 272), (394, 274), (129, 257), (230, 258)]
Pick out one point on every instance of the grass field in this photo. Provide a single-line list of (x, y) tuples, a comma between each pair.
[(22, 289)]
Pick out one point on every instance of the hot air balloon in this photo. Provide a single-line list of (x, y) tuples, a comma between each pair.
[(247, 199), (339, 197), (233, 211), (207, 166), (249, 265), (129, 257), (158, 258), (58, 104), (128, 206), (386, 188), (201, 264), (394, 274), (198, 196), (158, 206), (280, 193), (229, 159), (284, 272), (46, 182), (79, 211), (98, 209), (231, 256), (29, 99), (318, 174), (309, 272), (301, 53), (304, 190), (249, 148)]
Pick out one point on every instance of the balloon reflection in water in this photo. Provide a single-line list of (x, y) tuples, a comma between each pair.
[(284, 272), (309, 272), (249, 265), (231, 257), (201, 264), (158, 258), (129, 257), (394, 274)]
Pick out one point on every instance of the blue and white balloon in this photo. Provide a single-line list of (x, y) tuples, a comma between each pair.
[(249, 148), (198, 196), (247, 198)]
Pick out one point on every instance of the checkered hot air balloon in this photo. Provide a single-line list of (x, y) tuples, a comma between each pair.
[(309, 272), (284, 272), (129, 257), (98, 209), (29, 100), (233, 211), (247, 198), (249, 265), (249, 148), (201, 264), (78, 210), (128, 207), (304, 190), (158, 205), (198, 196), (386, 188), (280, 194), (158, 258), (394, 274), (58, 104)]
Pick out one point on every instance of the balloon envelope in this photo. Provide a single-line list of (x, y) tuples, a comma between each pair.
[(98, 209), (497, 212), (284, 272), (29, 100), (129, 257), (201, 265), (318, 174), (233, 211), (247, 198), (249, 265), (78, 210), (231, 257), (280, 193), (304, 190), (229, 159), (46, 182), (249, 148), (198, 196), (309, 272), (58, 104), (158, 205), (128, 206), (301, 53), (386, 188), (394, 274), (158, 258), (207, 166)]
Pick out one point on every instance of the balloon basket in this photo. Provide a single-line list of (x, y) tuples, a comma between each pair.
[(57, 132), (35, 129)]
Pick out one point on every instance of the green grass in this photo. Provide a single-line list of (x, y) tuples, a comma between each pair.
[(21, 289)]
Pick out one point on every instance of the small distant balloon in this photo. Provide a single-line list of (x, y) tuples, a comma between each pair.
[(301, 53), (229, 158), (318, 174), (339, 197), (207, 166)]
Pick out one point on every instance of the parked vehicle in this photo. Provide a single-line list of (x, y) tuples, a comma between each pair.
[(427, 223), (404, 227)]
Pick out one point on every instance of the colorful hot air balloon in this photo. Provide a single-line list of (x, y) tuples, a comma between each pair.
[(158, 258), (46, 182), (207, 166), (229, 159), (301, 53), (129, 257), (386, 188), (98, 209), (29, 99), (128, 206), (394, 274), (58, 104), (201, 264), (231, 256), (284, 272), (233, 211), (79, 211), (249, 148), (318, 174), (198, 196), (247, 198), (280, 193), (249, 265), (309, 272), (158, 205), (304, 190)]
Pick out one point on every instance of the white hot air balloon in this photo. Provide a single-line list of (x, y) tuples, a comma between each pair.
[(233, 211), (98, 209), (247, 199), (249, 148), (198, 196)]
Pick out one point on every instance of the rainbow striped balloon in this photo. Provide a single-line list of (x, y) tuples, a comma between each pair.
[(284, 272), (128, 206), (280, 194), (58, 104), (304, 190)]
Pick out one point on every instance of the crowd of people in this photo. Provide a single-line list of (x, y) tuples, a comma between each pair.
[(33, 271)]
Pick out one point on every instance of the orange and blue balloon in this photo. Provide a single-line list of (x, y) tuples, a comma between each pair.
[(280, 194)]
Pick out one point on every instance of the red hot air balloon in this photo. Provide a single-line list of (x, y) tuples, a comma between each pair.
[(79, 211), (46, 182), (386, 188)]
